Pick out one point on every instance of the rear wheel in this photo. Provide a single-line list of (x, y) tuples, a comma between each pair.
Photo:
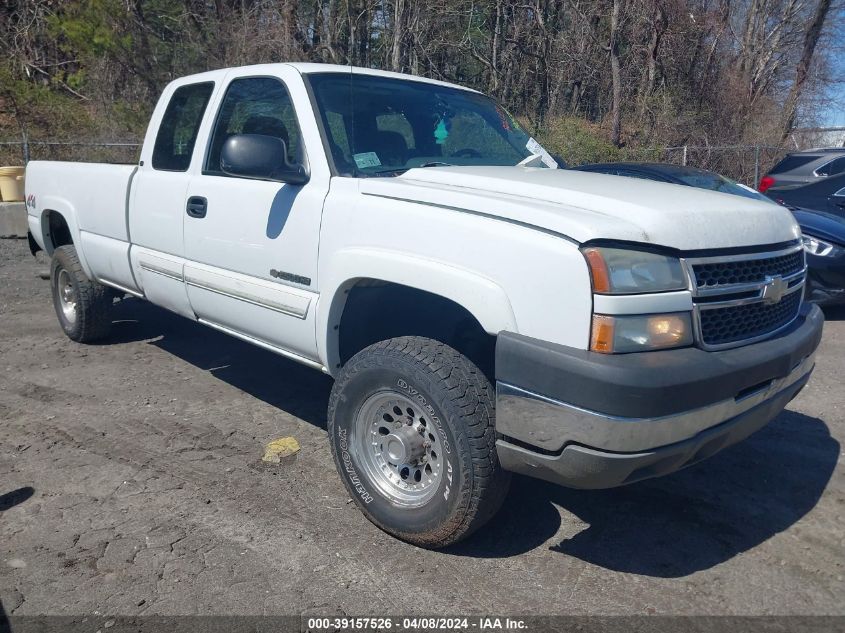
[(411, 423), (83, 306)]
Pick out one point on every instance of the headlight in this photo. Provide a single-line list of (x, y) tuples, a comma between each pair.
[(622, 271), (640, 333), (816, 246)]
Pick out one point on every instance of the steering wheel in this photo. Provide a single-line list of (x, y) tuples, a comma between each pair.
[(467, 152)]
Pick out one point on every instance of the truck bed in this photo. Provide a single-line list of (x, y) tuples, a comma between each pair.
[(94, 199), (99, 193)]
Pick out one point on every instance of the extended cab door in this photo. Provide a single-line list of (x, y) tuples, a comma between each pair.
[(251, 245), (157, 208)]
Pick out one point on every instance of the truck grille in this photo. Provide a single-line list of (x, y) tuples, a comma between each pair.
[(749, 271), (742, 298), (738, 323)]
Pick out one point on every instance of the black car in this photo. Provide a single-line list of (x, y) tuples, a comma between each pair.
[(824, 233), (824, 243), (676, 174), (826, 194)]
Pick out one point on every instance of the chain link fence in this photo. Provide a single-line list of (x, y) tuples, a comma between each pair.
[(20, 153), (743, 163)]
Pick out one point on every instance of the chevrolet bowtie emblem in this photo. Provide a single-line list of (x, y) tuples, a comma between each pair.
[(774, 289)]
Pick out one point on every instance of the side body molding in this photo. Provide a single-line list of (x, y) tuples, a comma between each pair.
[(482, 297)]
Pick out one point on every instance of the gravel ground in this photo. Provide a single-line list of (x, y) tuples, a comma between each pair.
[(131, 484)]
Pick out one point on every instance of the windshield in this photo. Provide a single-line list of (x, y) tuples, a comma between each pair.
[(380, 126)]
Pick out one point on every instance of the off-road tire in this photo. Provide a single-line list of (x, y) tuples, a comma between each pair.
[(459, 402), (93, 301)]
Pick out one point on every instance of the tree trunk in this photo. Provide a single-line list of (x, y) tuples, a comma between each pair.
[(493, 85), (289, 11), (752, 22), (616, 76), (398, 35), (364, 35), (659, 24), (317, 35), (811, 38)]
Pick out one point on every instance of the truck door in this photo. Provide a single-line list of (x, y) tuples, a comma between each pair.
[(251, 244), (158, 197)]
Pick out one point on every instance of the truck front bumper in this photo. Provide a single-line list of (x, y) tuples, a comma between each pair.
[(588, 420)]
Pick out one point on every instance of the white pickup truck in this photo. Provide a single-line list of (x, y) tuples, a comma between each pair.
[(481, 310)]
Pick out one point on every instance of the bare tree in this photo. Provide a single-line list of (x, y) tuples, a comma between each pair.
[(672, 71), (802, 70), (616, 75)]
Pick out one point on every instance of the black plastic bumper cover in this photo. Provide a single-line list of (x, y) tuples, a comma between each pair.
[(652, 384)]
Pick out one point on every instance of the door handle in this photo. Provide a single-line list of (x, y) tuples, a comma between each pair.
[(197, 207)]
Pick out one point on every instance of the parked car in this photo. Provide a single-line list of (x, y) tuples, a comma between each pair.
[(675, 174), (481, 311), (799, 168), (823, 195), (823, 233), (824, 243)]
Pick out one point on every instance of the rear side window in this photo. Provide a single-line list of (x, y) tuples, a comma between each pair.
[(832, 168), (793, 161), (177, 133)]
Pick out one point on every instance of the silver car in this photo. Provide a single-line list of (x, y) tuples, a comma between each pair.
[(800, 168)]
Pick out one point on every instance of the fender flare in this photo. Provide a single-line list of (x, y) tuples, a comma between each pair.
[(56, 204), (480, 296)]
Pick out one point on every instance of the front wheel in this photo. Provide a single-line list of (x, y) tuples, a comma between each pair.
[(411, 424)]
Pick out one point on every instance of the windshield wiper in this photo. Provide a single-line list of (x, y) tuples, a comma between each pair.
[(389, 172), (402, 170)]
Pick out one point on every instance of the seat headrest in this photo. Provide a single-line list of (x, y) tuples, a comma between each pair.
[(266, 125)]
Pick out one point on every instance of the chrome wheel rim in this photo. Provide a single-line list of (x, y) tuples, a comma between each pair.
[(398, 448), (66, 292)]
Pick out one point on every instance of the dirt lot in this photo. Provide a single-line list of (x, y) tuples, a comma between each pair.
[(131, 485)]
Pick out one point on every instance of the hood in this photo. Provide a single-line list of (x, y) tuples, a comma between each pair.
[(586, 206)]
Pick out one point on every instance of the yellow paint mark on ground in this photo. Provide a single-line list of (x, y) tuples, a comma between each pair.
[(280, 448)]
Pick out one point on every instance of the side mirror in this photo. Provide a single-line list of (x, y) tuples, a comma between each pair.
[(260, 156)]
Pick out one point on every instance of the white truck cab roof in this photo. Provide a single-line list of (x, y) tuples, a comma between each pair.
[(310, 68)]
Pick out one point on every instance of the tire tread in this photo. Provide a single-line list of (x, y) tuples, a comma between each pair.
[(94, 299), (469, 390)]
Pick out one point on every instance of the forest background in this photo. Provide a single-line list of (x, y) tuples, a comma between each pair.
[(726, 84)]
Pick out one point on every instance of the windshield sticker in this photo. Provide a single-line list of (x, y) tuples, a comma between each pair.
[(538, 150), (441, 133), (367, 159)]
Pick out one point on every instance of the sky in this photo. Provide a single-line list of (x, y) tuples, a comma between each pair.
[(835, 116)]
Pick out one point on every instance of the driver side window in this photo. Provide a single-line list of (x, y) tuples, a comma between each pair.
[(255, 105)]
